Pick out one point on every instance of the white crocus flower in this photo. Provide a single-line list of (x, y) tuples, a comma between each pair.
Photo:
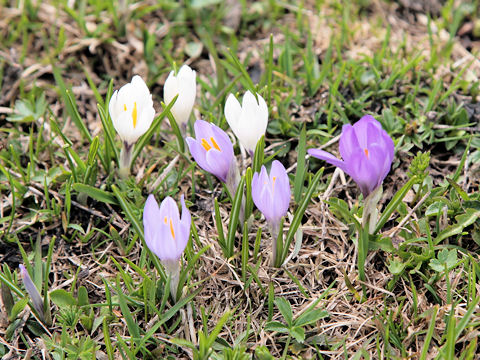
[(248, 121), (132, 112), (185, 85)]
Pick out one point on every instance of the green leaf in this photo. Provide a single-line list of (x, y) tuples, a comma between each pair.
[(394, 203), (276, 326), (259, 155), (285, 309), (17, 308), (298, 333), (132, 326), (444, 258), (95, 193), (396, 267), (234, 218), (82, 296), (341, 206), (62, 298), (463, 220), (310, 317), (297, 218), (300, 174)]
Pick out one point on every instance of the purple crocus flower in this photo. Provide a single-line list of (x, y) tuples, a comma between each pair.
[(367, 152), (166, 234), (271, 193), (32, 291), (212, 149)]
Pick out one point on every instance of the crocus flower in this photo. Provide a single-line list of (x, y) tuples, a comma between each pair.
[(248, 121), (184, 84), (131, 110), (132, 113), (271, 195), (271, 192), (367, 153), (212, 149), (32, 291), (166, 234)]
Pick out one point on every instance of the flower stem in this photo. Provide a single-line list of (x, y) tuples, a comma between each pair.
[(233, 179), (125, 159), (370, 212), (274, 231), (172, 268)]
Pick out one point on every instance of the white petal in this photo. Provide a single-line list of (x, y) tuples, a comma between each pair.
[(170, 88), (184, 84), (232, 112)]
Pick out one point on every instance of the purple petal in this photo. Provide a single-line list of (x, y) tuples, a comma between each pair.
[(185, 224), (271, 193), (169, 210), (348, 144), (203, 129), (198, 152), (323, 155), (363, 173), (218, 164), (151, 216)]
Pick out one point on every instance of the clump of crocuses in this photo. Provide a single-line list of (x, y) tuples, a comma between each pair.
[(166, 234), (132, 112), (271, 195), (367, 152)]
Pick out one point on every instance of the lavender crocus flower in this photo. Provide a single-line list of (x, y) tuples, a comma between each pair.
[(32, 291), (367, 152), (271, 195), (166, 234), (213, 152)]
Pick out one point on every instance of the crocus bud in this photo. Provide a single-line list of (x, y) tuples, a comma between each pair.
[(166, 234), (367, 152), (32, 291), (132, 113), (248, 121), (184, 84), (212, 150), (271, 195)]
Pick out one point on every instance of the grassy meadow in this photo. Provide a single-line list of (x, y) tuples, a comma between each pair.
[(409, 289)]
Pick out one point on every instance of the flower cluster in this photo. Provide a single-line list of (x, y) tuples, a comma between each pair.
[(366, 150)]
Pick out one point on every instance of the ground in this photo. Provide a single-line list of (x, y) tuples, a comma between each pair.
[(77, 225)]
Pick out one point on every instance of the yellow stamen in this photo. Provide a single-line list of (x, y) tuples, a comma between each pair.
[(171, 229), (206, 145), (273, 183), (215, 145), (134, 114), (366, 152), (165, 219), (124, 107)]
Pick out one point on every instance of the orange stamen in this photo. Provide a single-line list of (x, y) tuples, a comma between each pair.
[(171, 229), (165, 219), (273, 183), (215, 145), (206, 145), (366, 152), (134, 114)]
